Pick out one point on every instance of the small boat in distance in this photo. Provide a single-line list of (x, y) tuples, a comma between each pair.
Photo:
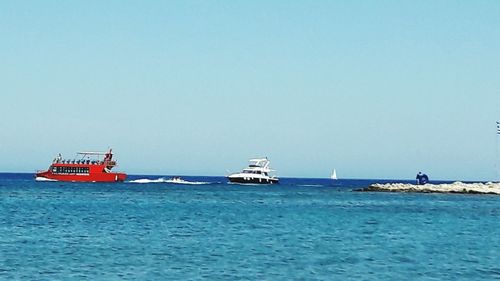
[(177, 180), (256, 173), (334, 175), (83, 169)]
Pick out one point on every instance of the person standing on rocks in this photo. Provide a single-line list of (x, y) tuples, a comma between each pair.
[(422, 178)]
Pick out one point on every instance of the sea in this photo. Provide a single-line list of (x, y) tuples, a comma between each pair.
[(148, 228)]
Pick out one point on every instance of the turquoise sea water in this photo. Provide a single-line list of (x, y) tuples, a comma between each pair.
[(302, 229)]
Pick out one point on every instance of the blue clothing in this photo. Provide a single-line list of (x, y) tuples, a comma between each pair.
[(422, 179)]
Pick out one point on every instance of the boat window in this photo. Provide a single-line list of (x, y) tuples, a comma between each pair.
[(71, 170)]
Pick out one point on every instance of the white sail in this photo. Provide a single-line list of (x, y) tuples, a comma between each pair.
[(334, 175)]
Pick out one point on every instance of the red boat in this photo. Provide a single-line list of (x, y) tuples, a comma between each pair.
[(88, 168)]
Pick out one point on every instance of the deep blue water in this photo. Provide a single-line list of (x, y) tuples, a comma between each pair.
[(302, 229)]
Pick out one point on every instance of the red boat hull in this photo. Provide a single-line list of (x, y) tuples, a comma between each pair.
[(81, 173)]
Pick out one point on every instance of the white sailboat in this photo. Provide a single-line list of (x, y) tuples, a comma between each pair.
[(334, 175)]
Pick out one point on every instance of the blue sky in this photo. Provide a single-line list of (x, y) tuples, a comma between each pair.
[(375, 89)]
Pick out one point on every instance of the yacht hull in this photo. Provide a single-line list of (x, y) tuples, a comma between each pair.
[(253, 180)]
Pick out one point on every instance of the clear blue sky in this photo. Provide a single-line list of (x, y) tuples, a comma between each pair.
[(375, 89)]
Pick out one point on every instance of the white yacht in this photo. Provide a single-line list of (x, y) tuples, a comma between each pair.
[(257, 173)]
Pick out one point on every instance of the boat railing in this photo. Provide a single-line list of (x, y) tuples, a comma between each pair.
[(84, 162)]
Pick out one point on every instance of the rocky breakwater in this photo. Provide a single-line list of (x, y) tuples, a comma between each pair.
[(456, 187)]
